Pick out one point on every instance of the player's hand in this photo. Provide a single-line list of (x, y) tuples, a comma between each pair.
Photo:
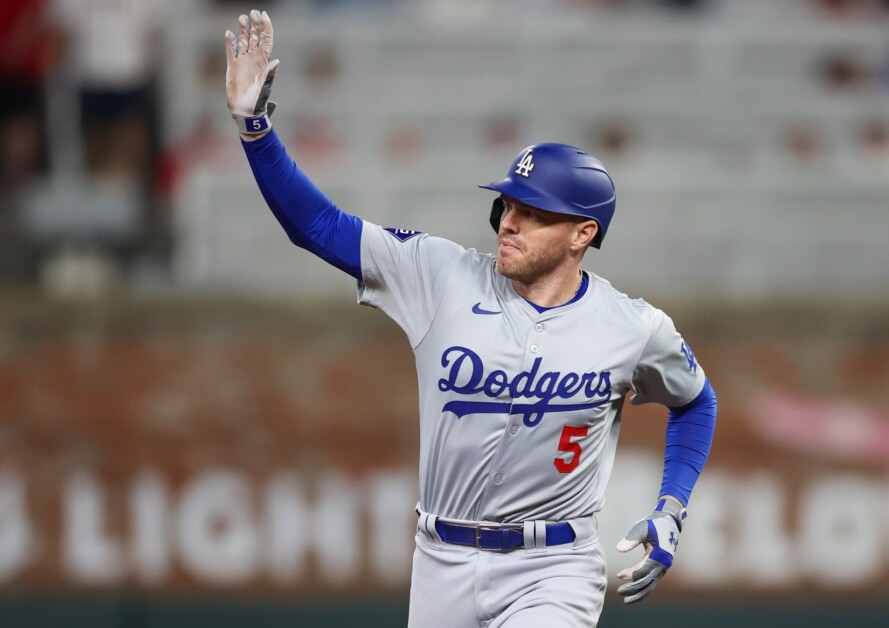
[(659, 535), (250, 72)]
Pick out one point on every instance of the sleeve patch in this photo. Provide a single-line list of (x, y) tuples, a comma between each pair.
[(403, 234), (690, 357)]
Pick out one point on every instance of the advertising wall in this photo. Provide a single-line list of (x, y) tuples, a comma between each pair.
[(249, 451)]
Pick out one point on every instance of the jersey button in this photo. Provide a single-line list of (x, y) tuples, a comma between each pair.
[(539, 326), (513, 429), (498, 479), (534, 348)]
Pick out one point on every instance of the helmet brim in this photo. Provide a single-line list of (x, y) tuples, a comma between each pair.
[(530, 195)]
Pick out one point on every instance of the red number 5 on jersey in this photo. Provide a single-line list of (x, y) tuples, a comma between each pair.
[(568, 443)]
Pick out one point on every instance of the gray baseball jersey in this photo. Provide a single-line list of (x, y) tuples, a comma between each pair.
[(519, 410)]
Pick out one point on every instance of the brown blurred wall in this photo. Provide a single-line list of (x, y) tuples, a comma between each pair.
[(248, 447)]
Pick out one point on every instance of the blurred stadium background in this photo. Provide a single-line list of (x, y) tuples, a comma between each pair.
[(198, 427)]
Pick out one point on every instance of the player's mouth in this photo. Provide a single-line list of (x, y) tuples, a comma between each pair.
[(506, 245)]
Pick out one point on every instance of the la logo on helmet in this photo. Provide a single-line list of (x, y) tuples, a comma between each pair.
[(526, 165)]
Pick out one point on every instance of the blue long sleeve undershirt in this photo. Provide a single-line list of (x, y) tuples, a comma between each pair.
[(689, 437), (310, 219)]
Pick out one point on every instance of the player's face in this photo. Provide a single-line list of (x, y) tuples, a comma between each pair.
[(533, 243)]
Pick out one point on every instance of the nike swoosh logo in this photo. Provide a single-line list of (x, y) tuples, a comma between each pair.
[(476, 309)]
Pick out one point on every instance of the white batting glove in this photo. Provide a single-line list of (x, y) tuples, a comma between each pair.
[(249, 73), (659, 535)]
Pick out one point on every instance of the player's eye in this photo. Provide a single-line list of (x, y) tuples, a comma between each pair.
[(530, 214)]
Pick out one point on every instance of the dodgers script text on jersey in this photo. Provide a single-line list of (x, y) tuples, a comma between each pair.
[(465, 365)]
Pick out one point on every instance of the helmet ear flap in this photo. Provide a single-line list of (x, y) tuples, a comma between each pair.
[(497, 208)]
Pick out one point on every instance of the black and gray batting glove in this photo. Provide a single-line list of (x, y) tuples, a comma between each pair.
[(659, 535), (249, 73)]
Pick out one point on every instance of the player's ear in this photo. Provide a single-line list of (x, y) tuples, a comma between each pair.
[(584, 233)]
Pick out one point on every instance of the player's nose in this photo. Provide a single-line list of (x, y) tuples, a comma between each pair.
[(508, 222)]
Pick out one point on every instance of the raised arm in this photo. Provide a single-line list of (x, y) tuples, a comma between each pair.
[(310, 219)]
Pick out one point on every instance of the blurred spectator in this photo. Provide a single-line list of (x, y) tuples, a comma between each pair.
[(201, 146), (28, 49), (110, 44), (874, 141), (803, 144), (321, 64), (843, 72), (614, 138)]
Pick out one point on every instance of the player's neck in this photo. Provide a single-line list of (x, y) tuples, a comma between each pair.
[(551, 290)]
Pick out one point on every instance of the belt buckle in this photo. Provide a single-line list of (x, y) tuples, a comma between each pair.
[(489, 526), (478, 536)]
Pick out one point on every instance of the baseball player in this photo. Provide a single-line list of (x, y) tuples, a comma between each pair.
[(524, 362)]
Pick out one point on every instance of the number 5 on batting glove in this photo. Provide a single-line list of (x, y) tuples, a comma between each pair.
[(249, 73), (659, 535)]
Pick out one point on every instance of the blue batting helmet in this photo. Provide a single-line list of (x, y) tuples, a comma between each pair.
[(558, 178)]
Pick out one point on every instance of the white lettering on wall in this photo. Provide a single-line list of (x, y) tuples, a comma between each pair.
[(90, 554), (763, 532), (334, 532), (286, 522), (708, 553), (226, 529), (840, 536), (16, 532), (152, 530), (217, 532)]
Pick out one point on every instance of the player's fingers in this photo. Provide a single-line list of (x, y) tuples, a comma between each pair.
[(253, 44), (641, 579), (632, 588), (243, 35), (272, 70), (629, 573), (641, 594), (231, 47), (625, 544), (266, 34), (637, 534)]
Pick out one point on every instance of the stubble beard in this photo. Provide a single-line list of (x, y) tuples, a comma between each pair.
[(527, 269)]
